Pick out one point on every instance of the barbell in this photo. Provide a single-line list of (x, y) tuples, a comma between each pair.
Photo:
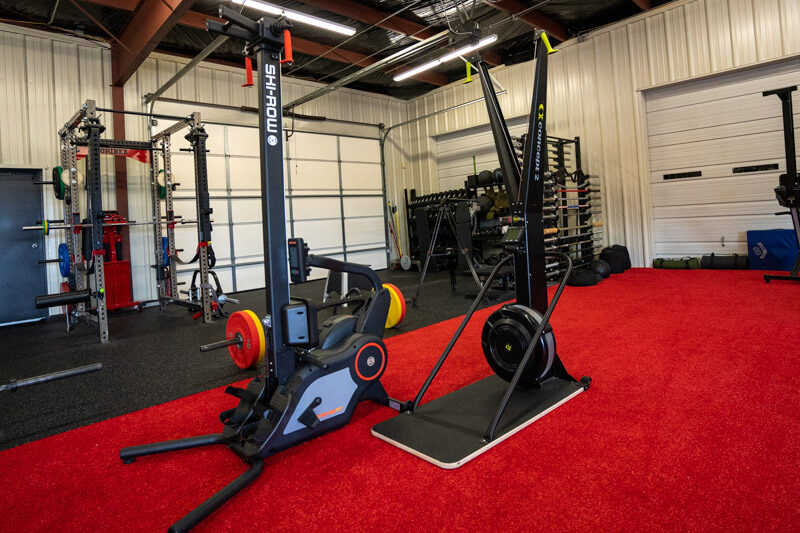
[(46, 227)]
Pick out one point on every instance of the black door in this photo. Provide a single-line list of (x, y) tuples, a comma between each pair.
[(21, 277)]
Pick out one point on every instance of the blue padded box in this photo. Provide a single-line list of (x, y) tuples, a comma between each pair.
[(774, 249)]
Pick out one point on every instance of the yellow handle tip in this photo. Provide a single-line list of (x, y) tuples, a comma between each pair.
[(547, 45)]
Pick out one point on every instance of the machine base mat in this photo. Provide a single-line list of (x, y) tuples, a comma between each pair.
[(448, 431)]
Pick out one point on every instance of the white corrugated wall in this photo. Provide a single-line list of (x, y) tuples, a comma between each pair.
[(45, 77), (595, 92)]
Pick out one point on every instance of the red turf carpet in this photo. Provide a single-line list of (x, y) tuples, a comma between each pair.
[(692, 423)]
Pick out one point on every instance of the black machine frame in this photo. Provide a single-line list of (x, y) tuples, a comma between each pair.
[(295, 366)]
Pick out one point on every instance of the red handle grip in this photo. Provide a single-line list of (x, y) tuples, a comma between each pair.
[(287, 48), (248, 67)]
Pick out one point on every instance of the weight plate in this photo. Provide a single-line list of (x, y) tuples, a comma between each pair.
[(162, 190), (58, 184), (405, 262), (397, 306), (252, 348), (63, 259)]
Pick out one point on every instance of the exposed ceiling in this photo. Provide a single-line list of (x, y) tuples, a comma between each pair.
[(383, 27)]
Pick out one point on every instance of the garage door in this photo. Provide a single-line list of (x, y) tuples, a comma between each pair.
[(455, 152), (716, 150), (335, 200)]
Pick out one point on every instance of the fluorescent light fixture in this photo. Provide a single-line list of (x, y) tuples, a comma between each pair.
[(445, 58), (297, 16)]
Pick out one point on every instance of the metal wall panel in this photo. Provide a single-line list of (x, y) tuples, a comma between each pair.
[(595, 92), (45, 78), (712, 126)]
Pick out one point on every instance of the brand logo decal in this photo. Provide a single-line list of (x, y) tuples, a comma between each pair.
[(271, 112)]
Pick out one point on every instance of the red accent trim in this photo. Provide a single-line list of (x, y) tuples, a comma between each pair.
[(287, 47), (98, 252), (248, 68), (383, 361), (202, 245)]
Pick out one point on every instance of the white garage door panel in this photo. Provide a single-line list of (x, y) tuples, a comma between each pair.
[(723, 171), (186, 240), (364, 231), (243, 141), (183, 173), (361, 177), (456, 150), (718, 132), (714, 191), (248, 241), (711, 126), (749, 81), (363, 207), (245, 174), (314, 176), (376, 260), (316, 208), (221, 242), (766, 147), (249, 277), (364, 150), (245, 210), (706, 229), (321, 237), (714, 113), (312, 146), (765, 207)]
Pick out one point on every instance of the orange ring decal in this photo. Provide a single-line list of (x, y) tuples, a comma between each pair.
[(383, 360)]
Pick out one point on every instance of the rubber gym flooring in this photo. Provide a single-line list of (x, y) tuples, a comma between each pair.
[(153, 357), (690, 425)]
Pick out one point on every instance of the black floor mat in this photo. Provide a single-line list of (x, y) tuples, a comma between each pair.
[(153, 357)]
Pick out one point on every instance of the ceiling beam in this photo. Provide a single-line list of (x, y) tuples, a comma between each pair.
[(375, 17), (150, 23), (532, 18), (644, 5), (197, 20)]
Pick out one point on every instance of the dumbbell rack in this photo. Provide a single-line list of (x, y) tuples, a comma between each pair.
[(573, 203)]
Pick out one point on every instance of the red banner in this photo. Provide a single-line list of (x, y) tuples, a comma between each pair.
[(143, 156)]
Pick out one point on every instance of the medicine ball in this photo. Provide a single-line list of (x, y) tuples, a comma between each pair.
[(601, 267), (583, 277)]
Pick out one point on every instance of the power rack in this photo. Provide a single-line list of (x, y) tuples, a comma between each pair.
[(90, 242)]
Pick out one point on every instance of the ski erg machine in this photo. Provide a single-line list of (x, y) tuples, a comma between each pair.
[(314, 376), (517, 340)]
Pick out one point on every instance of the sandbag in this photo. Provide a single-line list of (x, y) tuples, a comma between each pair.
[(583, 278), (683, 263), (726, 262), (624, 251), (617, 261)]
